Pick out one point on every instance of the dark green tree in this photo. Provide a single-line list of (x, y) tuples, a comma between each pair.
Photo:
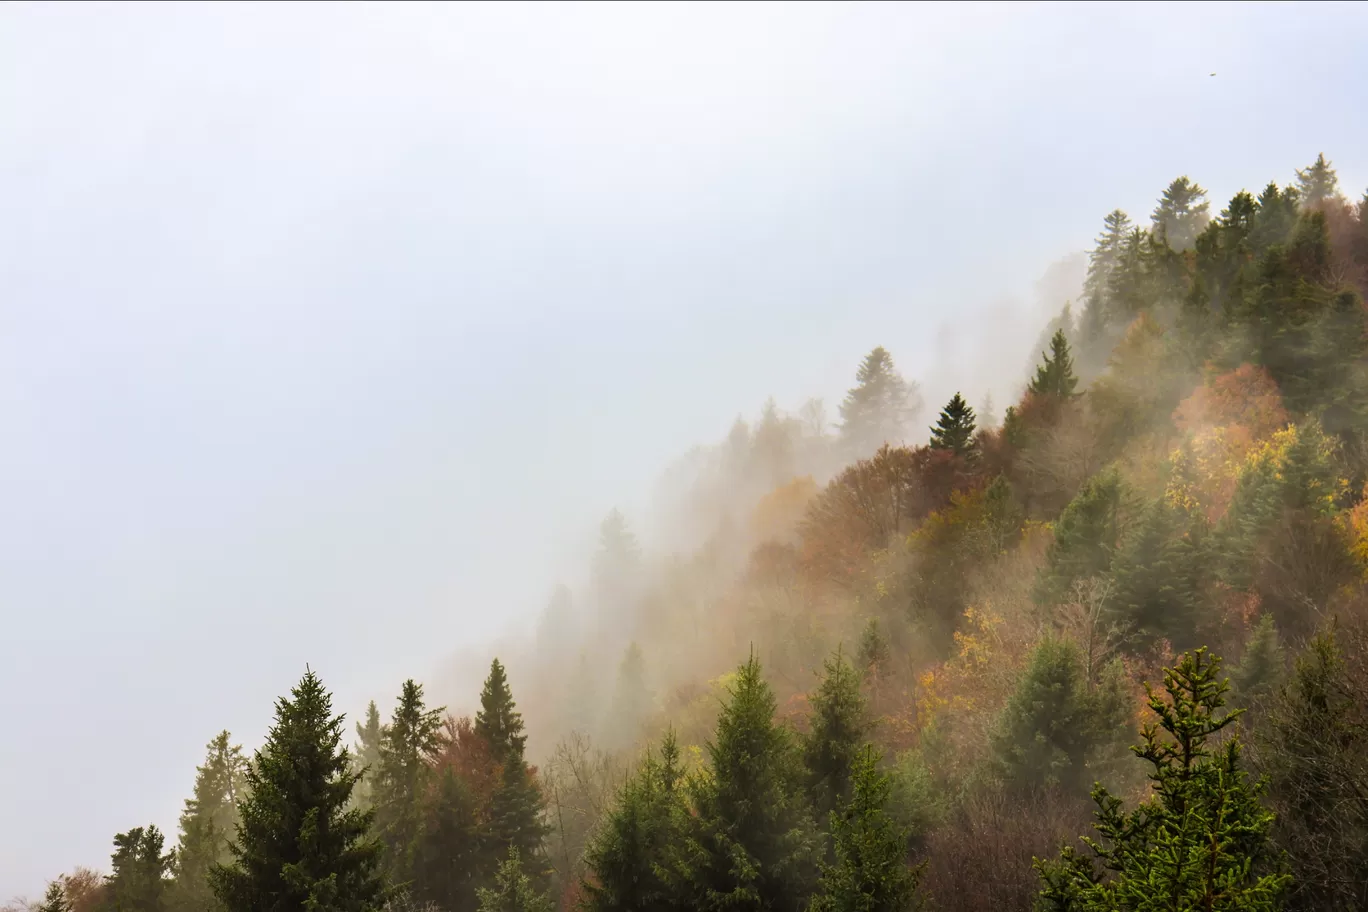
[(1181, 214), (366, 757), (1055, 376), (752, 842), (208, 823), (1201, 842), (840, 724), (140, 871), (1260, 671), (954, 428), (298, 845), (408, 745), (446, 858), (498, 722), (1158, 577), (626, 856), (515, 817), (513, 890), (879, 408), (1317, 182), (54, 900), (871, 871), (1085, 538)]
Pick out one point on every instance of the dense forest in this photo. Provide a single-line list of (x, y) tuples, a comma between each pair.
[(1106, 651)]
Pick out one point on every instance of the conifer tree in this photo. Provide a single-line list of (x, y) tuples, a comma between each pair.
[(298, 845), (1102, 262), (446, 857), (513, 890), (1260, 671), (407, 747), (627, 853), (1200, 842), (54, 900), (839, 725), (1181, 214), (874, 652), (632, 700), (498, 722), (987, 414), (139, 871), (366, 757), (1085, 538), (879, 408), (954, 428), (208, 823), (515, 817), (1055, 376), (752, 842), (870, 873), (1317, 182), (1157, 575)]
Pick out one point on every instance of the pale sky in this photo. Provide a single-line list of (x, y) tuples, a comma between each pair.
[(327, 333)]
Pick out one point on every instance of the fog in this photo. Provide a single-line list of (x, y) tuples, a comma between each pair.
[(329, 334)]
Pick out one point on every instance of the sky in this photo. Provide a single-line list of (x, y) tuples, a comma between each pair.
[(329, 332)]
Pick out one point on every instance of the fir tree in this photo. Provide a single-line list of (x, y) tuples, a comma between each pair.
[(839, 726), (513, 890), (515, 815), (498, 722), (446, 857), (632, 700), (139, 871), (407, 747), (954, 429), (870, 873), (874, 652), (1085, 538), (1260, 671), (1055, 376), (1200, 842), (367, 757), (1157, 575), (987, 414), (298, 846), (54, 900), (627, 853), (1317, 182), (208, 823), (1181, 214), (879, 408)]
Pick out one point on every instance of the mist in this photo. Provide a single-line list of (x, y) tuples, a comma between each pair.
[(329, 335)]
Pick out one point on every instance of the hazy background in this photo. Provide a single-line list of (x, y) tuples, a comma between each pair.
[(328, 333)]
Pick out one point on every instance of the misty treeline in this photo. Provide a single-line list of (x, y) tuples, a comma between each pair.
[(976, 674)]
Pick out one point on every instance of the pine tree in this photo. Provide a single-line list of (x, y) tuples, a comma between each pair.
[(839, 725), (874, 652), (1102, 262), (513, 890), (367, 757), (987, 414), (446, 857), (1181, 214), (752, 842), (54, 900), (1317, 182), (1158, 578), (626, 855), (515, 817), (498, 722), (208, 822), (298, 846), (1200, 842), (407, 747), (1055, 376), (954, 429), (1085, 538), (879, 408), (1260, 671), (871, 873), (633, 700), (139, 871)]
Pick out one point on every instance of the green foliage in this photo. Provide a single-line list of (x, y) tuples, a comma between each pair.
[(1313, 747), (366, 757), (498, 722), (1317, 183), (1158, 577), (916, 800), (208, 823), (446, 857), (1085, 538), (1055, 722), (1055, 376), (880, 406), (628, 851), (407, 747), (954, 428), (298, 845), (1200, 842), (752, 842), (1261, 668), (840, 724), (513, 890), (515, 814), (1181, 214), (873, 652), (870, 873), (140, 872), (54, 899)]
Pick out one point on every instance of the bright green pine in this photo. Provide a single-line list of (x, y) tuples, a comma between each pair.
[(513, 890), (1200, 842), (871, 871), (299, 846), (840, 723), (208, 823), (407, 746), (140, 872), (954, 428)]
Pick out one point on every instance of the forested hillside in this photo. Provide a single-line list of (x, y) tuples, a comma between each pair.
[(1131, 607)]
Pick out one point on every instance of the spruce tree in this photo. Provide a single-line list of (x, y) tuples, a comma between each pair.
[(879, 408), (54, 900), (954, 428), (1085, 538), (498, 722), (446, 859), (407, 747), (139, 871), (513, 890), (515, 816), (366, 757), (870, 873), (1317, 182), (1158, 577), (752, 843), (1181, 214), (839, 725), (208, 823), (874, 652), (1055, 376), (1260, 671), (633, 700), (626, 856), (1201, 842), (298, 845)]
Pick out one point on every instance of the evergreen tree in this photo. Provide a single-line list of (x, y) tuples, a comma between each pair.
[(1260, 671), (407, 748), (208, 823), (628, 851), (1055, 376), (873, 654), (1181, 214), (54, 900), (871, 873), (298, 846), (1085, 538), (633, 700), (513, 890), (498, 722), (1102, 262), (1200, 842), (139, 871), (367, 757), (752, 842), (839, 726), (446, 857), (515, 816), (987, 414), (1317, 182), (1157, 575), (954, 429), (879, 408), (1055, 726)]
